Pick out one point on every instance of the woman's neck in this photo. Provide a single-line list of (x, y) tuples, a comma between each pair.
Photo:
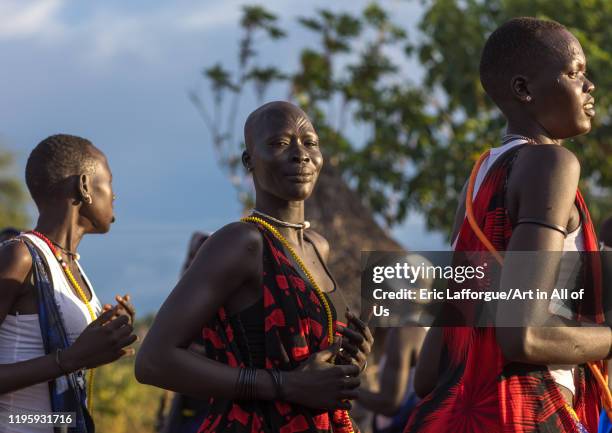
[(531, 130), (290, 212), (61, 227)]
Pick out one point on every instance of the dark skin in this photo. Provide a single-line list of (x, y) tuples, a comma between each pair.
[(548, 106), (81, 205), (402, 349), (283, 155)]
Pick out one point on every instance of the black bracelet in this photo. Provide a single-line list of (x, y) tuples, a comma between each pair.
[(252, 384), (277, 378), (246, 384)]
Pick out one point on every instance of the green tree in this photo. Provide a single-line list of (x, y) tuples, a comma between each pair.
[(455, 32), (419, 140), (12, 195), (341, 87), (120, 403)]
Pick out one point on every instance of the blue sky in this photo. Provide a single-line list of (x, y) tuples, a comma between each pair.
[(118, 73)]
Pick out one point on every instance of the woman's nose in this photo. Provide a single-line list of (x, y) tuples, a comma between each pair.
[(299, 154)]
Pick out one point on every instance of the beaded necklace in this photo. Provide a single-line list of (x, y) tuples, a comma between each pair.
[(507, 138), (81, 294), (345, 419), (75, 256), (317, 289), (305, 225)]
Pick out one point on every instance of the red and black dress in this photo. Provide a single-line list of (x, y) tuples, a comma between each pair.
[(479, 390), (280, 331)]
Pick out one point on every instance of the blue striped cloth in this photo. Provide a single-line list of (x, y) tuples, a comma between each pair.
[(68, 393)]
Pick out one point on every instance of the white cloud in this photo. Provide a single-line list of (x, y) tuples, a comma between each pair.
[(21, 19), (105, 32)]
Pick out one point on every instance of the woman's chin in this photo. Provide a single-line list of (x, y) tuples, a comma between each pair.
[(579, 129), (298, 192)]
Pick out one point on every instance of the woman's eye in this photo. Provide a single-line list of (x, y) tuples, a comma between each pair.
[(573, 74), (311, 143)]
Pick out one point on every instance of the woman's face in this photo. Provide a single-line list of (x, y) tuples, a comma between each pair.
[(99, 214), (561, 92), (285, 157)]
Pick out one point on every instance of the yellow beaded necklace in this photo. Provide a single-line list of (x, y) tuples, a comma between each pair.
[(81, 293), (330, 320), (317, 289)]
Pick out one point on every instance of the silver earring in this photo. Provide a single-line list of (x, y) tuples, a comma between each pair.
[(528, 98)]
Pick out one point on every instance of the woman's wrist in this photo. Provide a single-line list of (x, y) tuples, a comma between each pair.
[(289, 385), (67, 361), (278, 380), (265, 386)]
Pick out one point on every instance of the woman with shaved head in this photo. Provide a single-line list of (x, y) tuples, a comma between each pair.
[(261, 295), (523, 197), (52, 325)]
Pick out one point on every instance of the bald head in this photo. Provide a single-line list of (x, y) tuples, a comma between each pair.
[(271, 117)]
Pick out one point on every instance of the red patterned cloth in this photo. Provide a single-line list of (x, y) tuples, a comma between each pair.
[(295, 328), (481, 392)]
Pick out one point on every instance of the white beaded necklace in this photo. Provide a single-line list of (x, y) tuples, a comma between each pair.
[(303, 226)]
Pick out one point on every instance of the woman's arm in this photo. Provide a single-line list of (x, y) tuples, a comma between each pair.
[(15, 266), (402, 347), (229, 261), (428, 365), (544, 186), (97, 345)]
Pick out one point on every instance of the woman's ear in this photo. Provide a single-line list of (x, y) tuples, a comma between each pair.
[(246, 161), (520, 88), (85, 188)]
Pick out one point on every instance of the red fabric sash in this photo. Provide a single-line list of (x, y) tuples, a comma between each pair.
[(480, 391)]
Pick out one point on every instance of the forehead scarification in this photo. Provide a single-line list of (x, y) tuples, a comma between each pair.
[(274, 118)]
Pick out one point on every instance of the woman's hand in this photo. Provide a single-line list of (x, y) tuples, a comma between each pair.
[(357, 343), (105, 340), (320, 384), (126, 308)]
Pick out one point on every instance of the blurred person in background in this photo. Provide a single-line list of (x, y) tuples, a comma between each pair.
[(8, 233), (186, 413), (391, 396)]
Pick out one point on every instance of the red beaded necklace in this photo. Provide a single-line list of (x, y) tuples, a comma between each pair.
[(81, 295)]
